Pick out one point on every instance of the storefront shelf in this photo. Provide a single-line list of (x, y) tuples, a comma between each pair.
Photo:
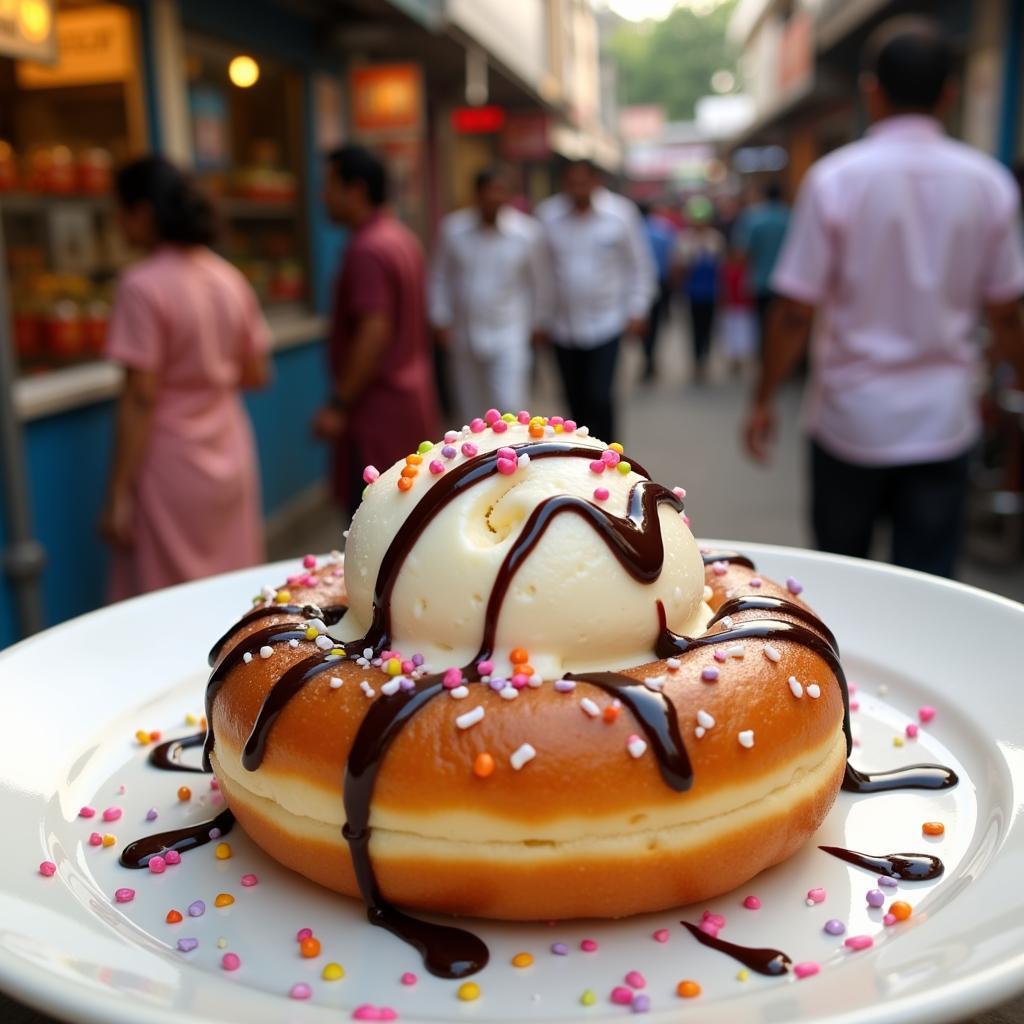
[(40, 202)]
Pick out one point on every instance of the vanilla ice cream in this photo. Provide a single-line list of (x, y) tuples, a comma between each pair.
[(571, 604)]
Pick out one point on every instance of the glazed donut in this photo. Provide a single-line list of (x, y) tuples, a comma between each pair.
[(639, 774)]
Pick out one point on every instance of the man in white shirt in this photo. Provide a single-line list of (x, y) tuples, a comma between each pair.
[(605, 282), (490, 294), (902, 238)]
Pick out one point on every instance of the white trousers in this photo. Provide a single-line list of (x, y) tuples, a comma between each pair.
[(496, 381)]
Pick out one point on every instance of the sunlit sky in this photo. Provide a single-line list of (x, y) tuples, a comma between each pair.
[(637, 10)]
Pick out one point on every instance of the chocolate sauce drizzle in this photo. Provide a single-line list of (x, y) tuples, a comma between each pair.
[(772, 962), (732, 557), (908, 867), (167, 755), (912, 776), (751, 602), (139, 853), (330, 615)]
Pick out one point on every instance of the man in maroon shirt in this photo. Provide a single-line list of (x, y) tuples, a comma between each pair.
[(382, 402)]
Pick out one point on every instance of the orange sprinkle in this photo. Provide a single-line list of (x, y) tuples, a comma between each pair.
[(687, 989), (404, 483), (536, 431), (524, 670), (900, 910), (154, 736), (522, 960), (413, 460), (616, 447), (610, 713), (108, 839), (310, 947), (202, 723), (184, 793), (483, 766), (173, 917), (223, 899), (410, 471), (518, 656), (933, 828)]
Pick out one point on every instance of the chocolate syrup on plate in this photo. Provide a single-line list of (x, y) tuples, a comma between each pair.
[(139, 853), (765, 961), (912, 776), (167, 755), (908, 867)]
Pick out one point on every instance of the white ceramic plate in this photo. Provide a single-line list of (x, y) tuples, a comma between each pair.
[(72, 699)]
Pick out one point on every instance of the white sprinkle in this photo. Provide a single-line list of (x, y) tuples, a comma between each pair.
[(565, 685), (882, 690), (705, 719), (335, 682), (583, 431), (521, 756), (344, 534), (636, 746), (814, 691), (362, 663), (535, 681), (247, 657), (367, 689), (470, 718), (293, 643), (708, 592), (485, 679), (367, 653), (699, 732), (590, 707), (317, 624), (508, 693), (746, 738), (795, 688), (673, 664), (269, 593), (523, 461), (459, 693), (391, 686), (736, 651), (655, 683), (325, 643), (266, 651), (771, 653), (727, 621)]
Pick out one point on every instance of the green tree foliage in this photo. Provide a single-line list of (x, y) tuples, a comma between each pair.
[(671, 62)]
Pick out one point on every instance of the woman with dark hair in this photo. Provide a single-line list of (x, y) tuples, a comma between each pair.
[(183, 500)]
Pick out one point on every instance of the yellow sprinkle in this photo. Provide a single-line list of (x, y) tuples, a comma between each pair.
[(339, 651), (468, 991), (221, 943), (311, 633), (109, 840), (508, 417), (283, 596), (616, 447), (897, 741), (142, 736), (559, 428), (624, 468), (393, 667), (332, 972), (223, 851), (190, 719), (743, 975), (522, 960), (223, 899), (588, 998)]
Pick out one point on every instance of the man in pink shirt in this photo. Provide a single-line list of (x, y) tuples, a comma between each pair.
[(902, 239)]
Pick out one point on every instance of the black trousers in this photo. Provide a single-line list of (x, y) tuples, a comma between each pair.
[(924, 501), (660, 310), (588, 377), (702, 319)]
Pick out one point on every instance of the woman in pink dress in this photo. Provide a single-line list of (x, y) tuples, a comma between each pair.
[(184, 495)]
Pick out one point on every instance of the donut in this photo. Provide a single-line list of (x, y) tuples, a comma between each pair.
[(525, 693)]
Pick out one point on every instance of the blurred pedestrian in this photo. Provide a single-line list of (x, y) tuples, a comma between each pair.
[(382, 402), (604, 281), (699, 257), (739, 325), (490, 296), (661, 236), (759, 232), (184, 497), (902, 239)]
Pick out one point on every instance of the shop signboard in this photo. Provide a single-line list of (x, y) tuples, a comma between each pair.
[(387, 99), (26, 30), (95, 44), (478, 120), (526, 136)]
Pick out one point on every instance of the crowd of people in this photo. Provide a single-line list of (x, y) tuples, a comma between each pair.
[(900, 240)]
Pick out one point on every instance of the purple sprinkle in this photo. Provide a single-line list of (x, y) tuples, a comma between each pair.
[(449, 451), (406, 684), (215, 833), (559, 949), (565, 685), (196, 909), (497, 684), (151, 814), (835, 927), (889, 883), (418, 659), (756, 582), (187, 945), (641, 1003), (794, 586), (709, 674), (875, 898)]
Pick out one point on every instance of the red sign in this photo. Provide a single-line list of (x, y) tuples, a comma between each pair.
[(478, 120), (526, 136), (386, 98)]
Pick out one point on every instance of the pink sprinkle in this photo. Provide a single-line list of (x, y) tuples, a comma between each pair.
[(469, 449), (500, 427), (523, 416), (806, 969), (87, 812), (752, 903), (597, 466), (720, 656), (794, 586), (686, 519), (621, 995), (851, 688), (716, 919), (408, 666), (370, 1012), (214, 784), (636, 980), (889, 920), (300, 990), (679, 492), (855, 705), (451, 435), (477, 426), (309, 581), (303, 933), (249, 880), (371, 473), (112, 814), (485, 668), (520, 682), (601, 493), (719, 568), (452, 678), (611, 457), (230, 962), (172, 857), (589, 945), (492, 416), (436, 467), (309, 562), (294, 579), (555, 420), (124, 895), (47, 869), (911, 731), (858, 942), (815, 895), (926, 714), (95, 839), (507, 453), (569, 426), (409, 978), (710, 928), (506, 466), (157, 865), (661, 935)]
